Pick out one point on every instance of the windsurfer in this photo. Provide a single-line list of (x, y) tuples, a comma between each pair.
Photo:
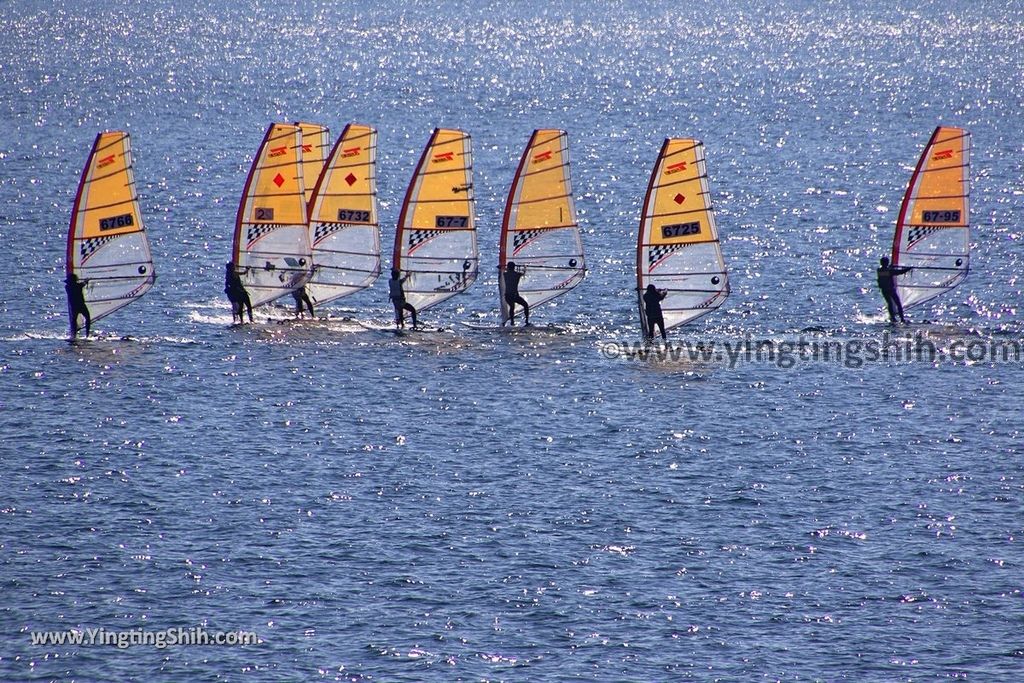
[(301, 297), (397, 295), (512, 276), (75, 289), (237, 295), (652, 309), (887, 283)]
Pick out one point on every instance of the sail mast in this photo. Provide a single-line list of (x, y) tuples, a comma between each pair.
[(643, 237)]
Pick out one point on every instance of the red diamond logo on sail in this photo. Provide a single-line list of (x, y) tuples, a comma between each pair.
[(543, 156), (350, 152), (679, 199), (351, 179), (675, 168), (943, 154), (105, 161), (444, 156), (279, 180)]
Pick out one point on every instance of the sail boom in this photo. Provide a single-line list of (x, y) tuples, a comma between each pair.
[(946, 268), (88, 271)]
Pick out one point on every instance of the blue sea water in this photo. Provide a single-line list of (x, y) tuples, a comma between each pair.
[(467, 505)]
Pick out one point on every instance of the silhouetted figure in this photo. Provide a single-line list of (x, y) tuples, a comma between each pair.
[(75, 289), (397, 294), (237, 294), (512, 276), (652, 310), (887, 283), (301, 297)]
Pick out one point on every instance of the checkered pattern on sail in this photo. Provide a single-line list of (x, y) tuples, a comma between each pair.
[(657, 252), (257, 231), (710, 300), (326, 229), (418, 237), (521, 237), (92, 245), (918, 233)]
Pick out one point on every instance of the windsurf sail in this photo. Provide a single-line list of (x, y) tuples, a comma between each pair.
[(933, 229), (678, 248), (107, 245), (315, 145), (539, 230), (271, 249), (435, 245), (343, 225)]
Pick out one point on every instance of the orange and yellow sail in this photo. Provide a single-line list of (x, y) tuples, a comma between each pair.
[(933, 229), (343, 225), (539, 233), (271, 250), (107, 245), (435, 245), (678, 249)]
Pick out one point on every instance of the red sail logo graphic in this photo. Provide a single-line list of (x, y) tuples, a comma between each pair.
[(942, 155), (542, 156), (105, 161), (277, 151), (675, 168), (306, 149), (443, 156), (351, 152)]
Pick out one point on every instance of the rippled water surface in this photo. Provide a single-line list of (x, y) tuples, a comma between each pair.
[(472, 505)]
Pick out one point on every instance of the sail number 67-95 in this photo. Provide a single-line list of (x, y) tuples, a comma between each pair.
[(948, 216)]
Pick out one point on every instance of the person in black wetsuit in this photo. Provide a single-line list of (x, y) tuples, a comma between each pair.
[(75, 289), (652, 309), (301, 297), (237, 295), (397, 295), (887, 283), (512, 277)]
